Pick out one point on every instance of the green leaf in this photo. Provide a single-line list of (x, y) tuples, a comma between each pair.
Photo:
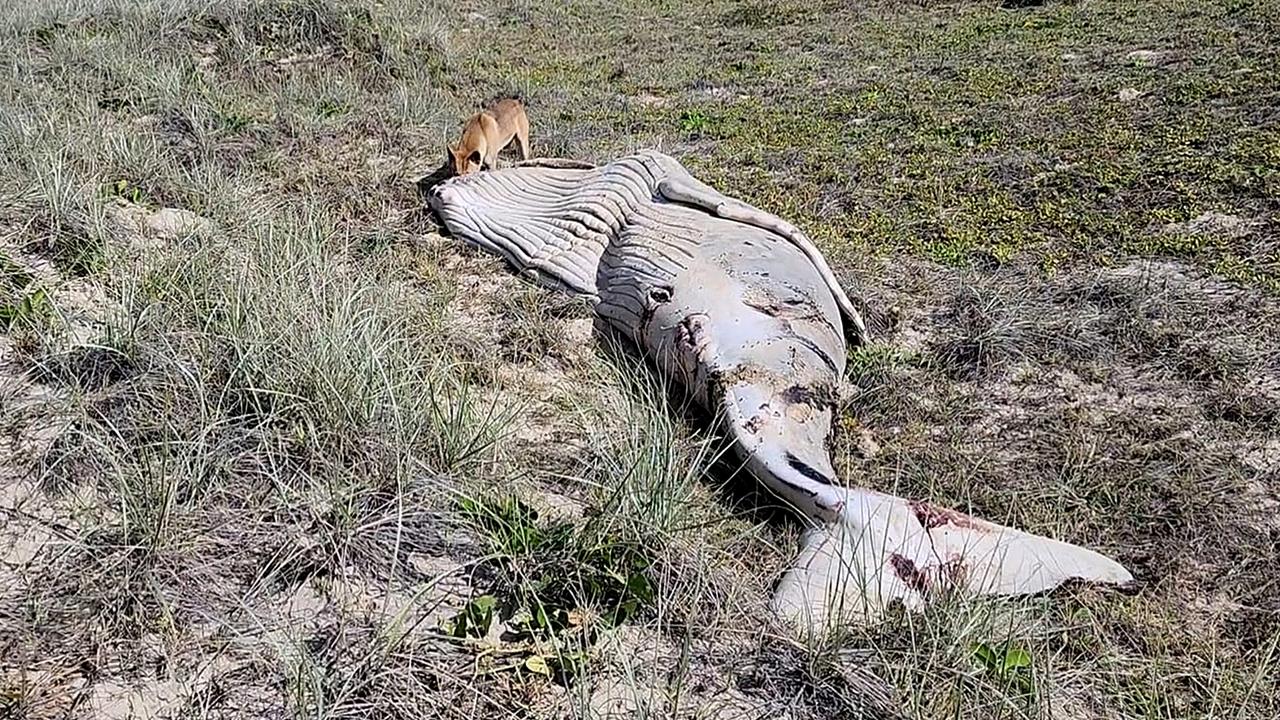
[(985, 655), (571, 663), (540, 615), (474, 619), (639, 586), (1016, 658), (537, 664), (27, 310)]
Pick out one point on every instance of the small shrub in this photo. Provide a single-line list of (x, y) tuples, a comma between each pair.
[(554, 584)]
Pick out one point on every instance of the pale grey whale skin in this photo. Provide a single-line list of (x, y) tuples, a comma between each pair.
[(740, 309)]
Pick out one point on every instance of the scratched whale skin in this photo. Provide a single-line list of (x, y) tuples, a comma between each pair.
[(740, 309)]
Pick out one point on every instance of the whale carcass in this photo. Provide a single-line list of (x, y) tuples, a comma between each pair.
[(739, 308)]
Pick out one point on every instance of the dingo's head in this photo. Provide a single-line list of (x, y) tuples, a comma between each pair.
[(461, 162)]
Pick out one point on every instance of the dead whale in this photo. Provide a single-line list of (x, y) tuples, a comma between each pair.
[(741, 309)]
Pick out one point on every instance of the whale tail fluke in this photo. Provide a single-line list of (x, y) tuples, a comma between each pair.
[(886, 549)]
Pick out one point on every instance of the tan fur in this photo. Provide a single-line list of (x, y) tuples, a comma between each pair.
[(487, 133)]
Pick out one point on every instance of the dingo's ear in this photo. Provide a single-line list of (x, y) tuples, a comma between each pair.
[(475, 157), (449, 154)]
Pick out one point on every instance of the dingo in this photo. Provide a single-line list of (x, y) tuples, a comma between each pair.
[(487, 133)]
